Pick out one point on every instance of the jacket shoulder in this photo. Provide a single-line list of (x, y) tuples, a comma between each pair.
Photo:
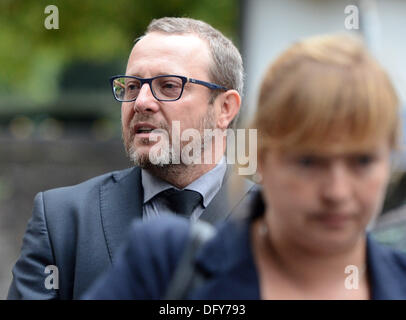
[(388, 271), (90, 184), (82, 201)]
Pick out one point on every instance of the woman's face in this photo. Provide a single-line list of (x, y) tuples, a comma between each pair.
[(324, 200)]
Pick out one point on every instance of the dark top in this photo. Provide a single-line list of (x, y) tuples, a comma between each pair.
[(145, 265)]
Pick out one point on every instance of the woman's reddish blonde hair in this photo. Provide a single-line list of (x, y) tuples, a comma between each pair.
[(324, 89)]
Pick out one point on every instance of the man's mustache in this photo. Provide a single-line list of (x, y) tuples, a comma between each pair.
[(148, 119)]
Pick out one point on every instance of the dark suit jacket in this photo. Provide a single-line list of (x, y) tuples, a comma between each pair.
[(145, 266), (78, 229)]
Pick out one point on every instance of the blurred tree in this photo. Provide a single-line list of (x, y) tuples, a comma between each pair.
[(93, 32)]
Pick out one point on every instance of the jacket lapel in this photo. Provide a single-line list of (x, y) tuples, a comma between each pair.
[(231, 193), (121, 200)]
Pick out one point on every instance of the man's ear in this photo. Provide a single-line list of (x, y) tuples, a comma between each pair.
[(230, 103)]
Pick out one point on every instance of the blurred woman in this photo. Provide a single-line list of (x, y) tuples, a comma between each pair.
[(327, 122)]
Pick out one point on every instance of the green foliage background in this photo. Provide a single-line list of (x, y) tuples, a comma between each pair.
[(91, 32)]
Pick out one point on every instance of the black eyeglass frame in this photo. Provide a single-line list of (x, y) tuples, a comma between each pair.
[(185, 80)]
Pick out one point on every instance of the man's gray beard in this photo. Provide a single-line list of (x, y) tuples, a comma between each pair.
[(143, 160), (165, 160)]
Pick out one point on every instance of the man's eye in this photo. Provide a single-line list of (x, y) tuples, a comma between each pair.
[(132, 86), (169, 85)]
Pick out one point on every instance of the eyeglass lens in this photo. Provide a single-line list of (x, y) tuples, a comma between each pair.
[(163, 88)]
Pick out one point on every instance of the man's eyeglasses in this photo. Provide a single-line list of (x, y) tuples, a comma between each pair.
[(163, 88)]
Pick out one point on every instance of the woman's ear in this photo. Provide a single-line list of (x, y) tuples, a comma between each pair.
[(230, 103), (257, 177)]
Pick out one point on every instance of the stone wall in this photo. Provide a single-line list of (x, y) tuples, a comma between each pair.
[(30, 166)]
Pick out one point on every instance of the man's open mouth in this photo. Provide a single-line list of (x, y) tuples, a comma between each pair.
[(144, 128)]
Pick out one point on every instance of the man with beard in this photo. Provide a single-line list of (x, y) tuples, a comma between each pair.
[(181, 75)]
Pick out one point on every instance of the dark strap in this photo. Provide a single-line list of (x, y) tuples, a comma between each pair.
[(186, 276), (227, 201)]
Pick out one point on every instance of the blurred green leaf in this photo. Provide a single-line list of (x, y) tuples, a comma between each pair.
[(33, 58)]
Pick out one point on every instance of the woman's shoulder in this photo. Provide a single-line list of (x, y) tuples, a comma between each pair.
[(227, 248), (387, 271), (164, 233), (144, 264), (387, 253)]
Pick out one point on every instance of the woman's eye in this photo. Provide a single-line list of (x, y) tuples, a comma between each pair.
[(364, 160), (307, 161)]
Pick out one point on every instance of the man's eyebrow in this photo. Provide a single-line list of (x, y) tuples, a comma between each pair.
[(131, 74), (136, 74)]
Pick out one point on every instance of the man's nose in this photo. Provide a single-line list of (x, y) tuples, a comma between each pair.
[(146, 101), (337, 186)]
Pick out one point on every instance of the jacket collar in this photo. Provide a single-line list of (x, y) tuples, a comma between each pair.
[(227, 259), (231, 246), (121, 201), (387, 271)]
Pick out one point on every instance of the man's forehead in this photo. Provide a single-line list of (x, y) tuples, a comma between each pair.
[(169, 52), (170, 43)]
